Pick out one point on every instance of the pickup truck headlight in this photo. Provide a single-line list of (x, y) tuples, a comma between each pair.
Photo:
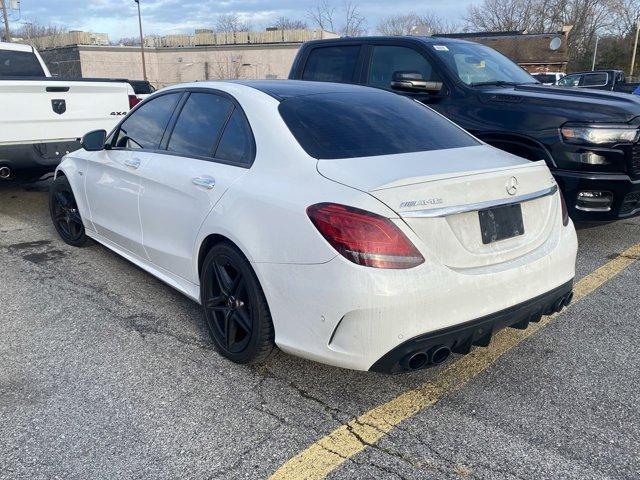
[(599, 134)]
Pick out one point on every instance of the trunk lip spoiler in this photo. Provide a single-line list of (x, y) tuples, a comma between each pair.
[(474, 207)]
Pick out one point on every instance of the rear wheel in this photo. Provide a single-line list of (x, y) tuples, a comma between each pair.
[(235, 307), (65, 214)]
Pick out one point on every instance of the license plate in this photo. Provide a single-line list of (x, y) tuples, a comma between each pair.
[(501, 223)]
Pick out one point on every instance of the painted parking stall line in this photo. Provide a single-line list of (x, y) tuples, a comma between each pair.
[(332, 450)]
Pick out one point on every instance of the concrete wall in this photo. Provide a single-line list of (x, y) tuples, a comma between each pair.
[(166, 66)]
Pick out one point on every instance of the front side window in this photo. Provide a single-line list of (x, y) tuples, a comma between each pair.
[(387, 59), (144, 127), (19, 64), (595, 80), (199, 125), (569, 81), (236, 144), (332, 64), (477, 64), (364, 124)]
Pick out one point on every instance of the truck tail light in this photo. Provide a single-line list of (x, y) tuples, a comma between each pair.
[(133, 101), (363, 237)]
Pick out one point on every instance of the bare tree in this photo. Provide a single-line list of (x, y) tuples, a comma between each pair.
[(128, 41), (39, 35), (501, 15), (286, 23), (354, 22), (625, 15), (347, 21), (226, 66), (322, 15), (414, 24), (231, 23), (588, 19)]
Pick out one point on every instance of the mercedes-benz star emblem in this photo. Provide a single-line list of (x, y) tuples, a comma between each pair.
[(512, 186)]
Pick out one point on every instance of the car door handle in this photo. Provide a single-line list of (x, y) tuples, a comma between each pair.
[(206, 182), (132, 162)]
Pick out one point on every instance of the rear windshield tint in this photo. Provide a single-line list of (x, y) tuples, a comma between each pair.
[(344, 125)]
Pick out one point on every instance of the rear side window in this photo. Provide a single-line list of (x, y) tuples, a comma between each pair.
[(595, 80), (332, 64), (199, 125), (236, 144), (145, 126), (343, 125), (19, 64)]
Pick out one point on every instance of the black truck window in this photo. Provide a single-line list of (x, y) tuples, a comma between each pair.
[(19, 64), (386, 59), (332, 64), (595, 80)]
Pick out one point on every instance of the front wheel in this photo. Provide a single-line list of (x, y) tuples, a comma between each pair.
[(65, 214), (235, 307)]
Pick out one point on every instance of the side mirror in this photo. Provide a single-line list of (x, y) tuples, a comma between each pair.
[(414, 82), (94, 140)]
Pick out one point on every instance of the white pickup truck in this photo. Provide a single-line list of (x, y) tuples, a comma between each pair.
[(43, 117)]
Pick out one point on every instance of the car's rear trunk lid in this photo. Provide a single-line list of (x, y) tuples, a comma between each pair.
[(439, 194)]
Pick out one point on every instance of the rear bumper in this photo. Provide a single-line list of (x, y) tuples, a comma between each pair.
[(350, 316), (625, 190), (460, 338), (36, 157)]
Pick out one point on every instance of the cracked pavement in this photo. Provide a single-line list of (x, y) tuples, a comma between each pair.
[(108, 373)]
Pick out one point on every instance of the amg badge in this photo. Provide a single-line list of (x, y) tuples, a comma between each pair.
[(419, 203)]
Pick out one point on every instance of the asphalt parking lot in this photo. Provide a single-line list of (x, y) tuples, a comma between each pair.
[(108, 373)]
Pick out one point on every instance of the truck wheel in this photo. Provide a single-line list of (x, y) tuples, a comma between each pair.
[(64, 213)]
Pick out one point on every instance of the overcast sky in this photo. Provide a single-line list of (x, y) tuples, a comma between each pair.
[(118, 17)]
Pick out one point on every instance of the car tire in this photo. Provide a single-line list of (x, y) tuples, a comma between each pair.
[(65, 214), (235, 308)]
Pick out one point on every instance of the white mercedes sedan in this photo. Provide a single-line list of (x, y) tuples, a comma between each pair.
[(345, 224)]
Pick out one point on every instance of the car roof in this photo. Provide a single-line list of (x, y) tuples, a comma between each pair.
[(16, 47), (284, 89), (595, 71)]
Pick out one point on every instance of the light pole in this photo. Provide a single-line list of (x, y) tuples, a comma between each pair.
[(635, 47), (144, 66), (7, 34), (595, 52)]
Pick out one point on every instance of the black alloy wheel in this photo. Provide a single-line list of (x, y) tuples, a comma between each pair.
[(65, 214), (235, 308)]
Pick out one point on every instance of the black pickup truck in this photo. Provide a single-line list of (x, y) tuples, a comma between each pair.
[(612, 80), (589, 138)]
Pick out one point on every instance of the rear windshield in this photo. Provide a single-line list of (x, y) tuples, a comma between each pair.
[(366, 124), (19, 64)]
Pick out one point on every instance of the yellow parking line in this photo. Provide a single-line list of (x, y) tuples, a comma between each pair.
[(328, 453)]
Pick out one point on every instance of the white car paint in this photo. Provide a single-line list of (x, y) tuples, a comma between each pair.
[(323, 306), (28, 119)]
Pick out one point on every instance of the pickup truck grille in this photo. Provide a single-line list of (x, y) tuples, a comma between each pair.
[(635, 160)]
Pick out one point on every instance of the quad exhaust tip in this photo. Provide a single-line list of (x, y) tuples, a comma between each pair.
[(5, 172)]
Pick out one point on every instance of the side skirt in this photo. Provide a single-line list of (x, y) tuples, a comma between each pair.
[(185, 287)]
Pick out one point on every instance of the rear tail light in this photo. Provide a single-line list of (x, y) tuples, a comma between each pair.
[(565, 212), (133, 101), (364, 237)]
